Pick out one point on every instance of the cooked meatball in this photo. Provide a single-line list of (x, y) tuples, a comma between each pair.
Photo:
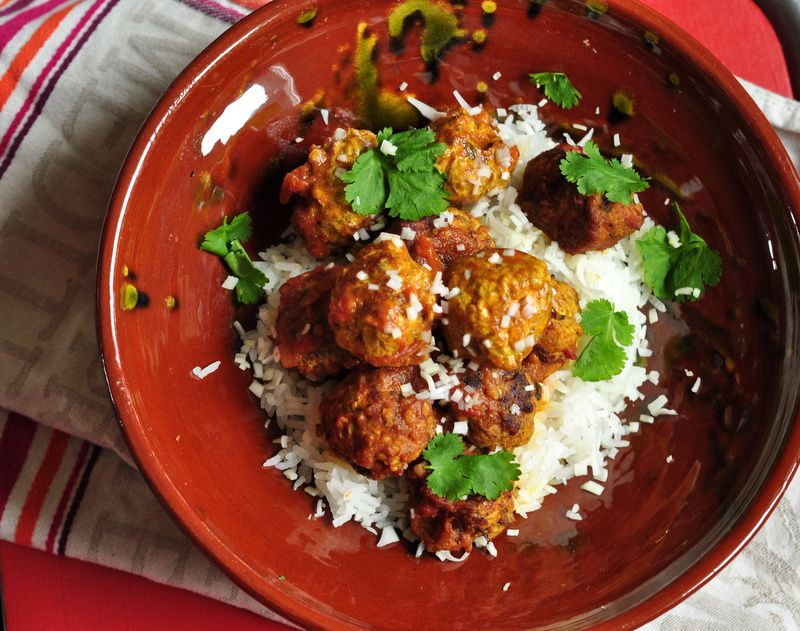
[(438, 241), (381, 307), (559, 342), (367, 420), (499, 406), (579, 223), (501, 309), (321, 214), (303, 334), (476, 158), (454, 526)]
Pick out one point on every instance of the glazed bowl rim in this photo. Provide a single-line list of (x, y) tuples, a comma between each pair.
[(705, 568)]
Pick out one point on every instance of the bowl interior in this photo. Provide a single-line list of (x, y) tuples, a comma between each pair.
[(640, 545)]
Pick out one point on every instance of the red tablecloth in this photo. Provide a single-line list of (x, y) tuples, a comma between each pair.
[(43, 591)]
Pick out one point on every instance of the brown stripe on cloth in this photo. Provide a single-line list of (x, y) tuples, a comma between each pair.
[(76, 501), (14, 446), (58, 516)]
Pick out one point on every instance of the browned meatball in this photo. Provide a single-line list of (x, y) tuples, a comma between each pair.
[(559, 342), (502, 306), (304, 336), (454, 526), (579, 223), (367, 420), (499, 406), (321, 215), (438, 241), (476, 158), (381, 307)]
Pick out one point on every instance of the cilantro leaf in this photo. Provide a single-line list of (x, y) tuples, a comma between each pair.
[(407, 183), (599, 318), (445, 478), (491, 475), (250, 288), (216, 241), (657, 255), (384, 134), (226, 241), (366, 186), (604, 356), (669, 270), (699, 265), (443, 448), (417, 149), (454, 476), (594, 174), (413, 196), (557, 87)]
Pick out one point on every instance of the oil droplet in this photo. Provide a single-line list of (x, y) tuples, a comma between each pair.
[(128, 297), (651, 39), (596, 8), (441, 25), (383, 108), (306, 17), (623, 103)]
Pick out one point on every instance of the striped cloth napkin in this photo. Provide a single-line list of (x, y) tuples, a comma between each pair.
[(77, 78)]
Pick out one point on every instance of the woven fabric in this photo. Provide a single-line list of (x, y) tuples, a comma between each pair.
[(77, 78)]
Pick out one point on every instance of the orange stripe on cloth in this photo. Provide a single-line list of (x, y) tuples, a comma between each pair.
[(28, 51), (41, 485)]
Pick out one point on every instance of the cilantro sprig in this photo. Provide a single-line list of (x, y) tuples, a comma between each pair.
[(592, 173), (406, 183), (454, 475), (218, 240), (604, 356), (226, 241), (557, 87), (672, 271)]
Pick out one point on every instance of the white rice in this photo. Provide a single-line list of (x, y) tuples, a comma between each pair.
[(201, 372), (576, 433)]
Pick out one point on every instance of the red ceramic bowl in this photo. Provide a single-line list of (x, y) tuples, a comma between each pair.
[(661, 530)]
